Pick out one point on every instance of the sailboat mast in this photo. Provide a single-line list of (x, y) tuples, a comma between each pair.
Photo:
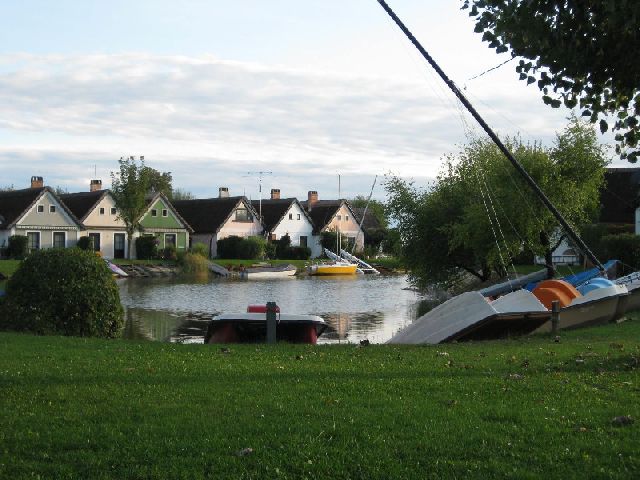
[(565, 225)]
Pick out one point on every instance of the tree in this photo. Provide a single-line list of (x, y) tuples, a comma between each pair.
[(579, 53), (480, 214), (376, 208), (181, 194), (129, 188), (158, 181)]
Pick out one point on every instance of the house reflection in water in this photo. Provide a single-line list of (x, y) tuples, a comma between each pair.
[(352, 327), (162, 326)]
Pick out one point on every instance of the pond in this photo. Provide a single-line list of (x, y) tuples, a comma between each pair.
[(356, 308)]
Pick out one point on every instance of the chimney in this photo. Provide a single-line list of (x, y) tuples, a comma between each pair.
[(223, 192), (312, 199), (95, 185), (275, 194), (37, 182)]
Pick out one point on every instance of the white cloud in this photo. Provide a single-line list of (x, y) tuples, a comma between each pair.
[(210, 121)]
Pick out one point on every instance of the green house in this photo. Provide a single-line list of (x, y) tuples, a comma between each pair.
[(163, 221)]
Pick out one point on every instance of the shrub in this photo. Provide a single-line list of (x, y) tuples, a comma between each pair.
[(17, 248), (146, 247), (201, 249), (282, 247), (624, 247), (593, 236), (252, 247), (169, 252), (228, 247), (85, 243), (63, 292), (193, 263), (298, 253), (270, 250), (328, 240)]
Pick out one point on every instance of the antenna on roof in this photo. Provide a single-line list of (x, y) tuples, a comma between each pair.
[(260, 174)]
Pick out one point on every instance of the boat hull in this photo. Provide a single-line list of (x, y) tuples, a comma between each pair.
[(595, 312), (333, 270), (252, 328), (265, 273)]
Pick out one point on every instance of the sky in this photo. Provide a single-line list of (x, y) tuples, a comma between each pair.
[(215, 92)]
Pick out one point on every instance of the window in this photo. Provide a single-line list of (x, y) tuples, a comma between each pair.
[(59, 240), (101, 210), (154, 213), (242, 215), (298, 216), (291, 216), (95, 241), (303, 241), (113, 210), (40, 208), (346, 218), (339, 217), (169, 239), (165, 213), (52, 209), (33, 239)]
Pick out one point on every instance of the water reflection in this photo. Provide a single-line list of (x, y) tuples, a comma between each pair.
[(356, 308)]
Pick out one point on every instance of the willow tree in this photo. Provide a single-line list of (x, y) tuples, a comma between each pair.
[(479, 215)]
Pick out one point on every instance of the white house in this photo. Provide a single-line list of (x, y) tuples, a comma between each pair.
[(96, 211), (38, 214), (285, 216)]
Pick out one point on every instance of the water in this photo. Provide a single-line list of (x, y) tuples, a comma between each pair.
[(356, 308)]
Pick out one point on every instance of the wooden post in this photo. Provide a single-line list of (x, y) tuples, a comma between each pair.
[(271, 322), (555, 315)]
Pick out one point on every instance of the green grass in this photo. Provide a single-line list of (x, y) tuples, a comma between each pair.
[(530, 408), (7, 268), (300, 264)]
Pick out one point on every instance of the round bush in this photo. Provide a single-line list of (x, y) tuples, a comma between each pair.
[(63, 292)]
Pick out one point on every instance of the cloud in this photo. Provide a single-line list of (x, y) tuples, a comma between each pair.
[(210, 121)]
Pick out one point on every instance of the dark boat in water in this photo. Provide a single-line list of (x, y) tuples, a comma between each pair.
[(251, 327)]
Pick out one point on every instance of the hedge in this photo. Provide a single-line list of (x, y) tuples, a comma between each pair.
[(17, 248), (624, 247), (146, 247)]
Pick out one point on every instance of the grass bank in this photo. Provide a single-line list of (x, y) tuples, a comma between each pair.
[(530, 408), (235, 262)]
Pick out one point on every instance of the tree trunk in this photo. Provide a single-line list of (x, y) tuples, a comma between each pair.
[(548, 254)]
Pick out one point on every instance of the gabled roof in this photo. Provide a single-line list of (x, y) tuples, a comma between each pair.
[(323, 212), (619, 196), (370, 220), (153, 198), (273, 211), (14, 204), (208, 215), (83, 203)]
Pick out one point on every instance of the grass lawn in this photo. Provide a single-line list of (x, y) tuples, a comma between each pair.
[(530, 408)]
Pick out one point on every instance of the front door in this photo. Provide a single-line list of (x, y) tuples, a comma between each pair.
[(118, 245), (95, 241)]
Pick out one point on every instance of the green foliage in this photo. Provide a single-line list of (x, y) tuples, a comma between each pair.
[(624, 247), (146, 247), (377, 208), (392, 245), (201, 249), (282, 246), (576, 53), (181, 194), (157, 181), (328, 240), (270, 250), (593, 234), (191, 262), (63, 292), (85, 243), (480, 214), (297, 253), (17, 248), (169, 253), (242, 248)]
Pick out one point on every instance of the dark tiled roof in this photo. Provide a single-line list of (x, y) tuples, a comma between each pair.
[(370, 220), (272, 211), (322, 212), (206, 215), (82, 203), (14, 203), (619, 197)]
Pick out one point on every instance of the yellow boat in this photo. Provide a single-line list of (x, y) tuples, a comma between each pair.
[(338, 268)]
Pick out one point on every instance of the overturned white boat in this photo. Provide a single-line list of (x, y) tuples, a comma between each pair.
[(470, 316), (264, 272)]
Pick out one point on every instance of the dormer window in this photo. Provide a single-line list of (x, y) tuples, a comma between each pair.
[(40, 208), (52, 209), (154, 212), (243, 215)]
